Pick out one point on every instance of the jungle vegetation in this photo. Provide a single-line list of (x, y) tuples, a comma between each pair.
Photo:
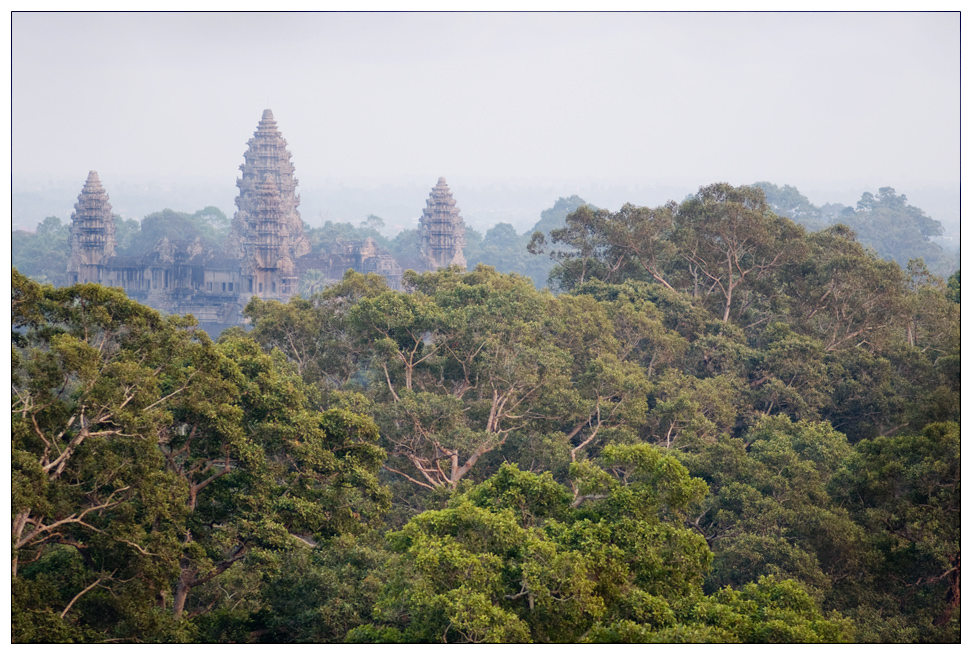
[(721, 426)]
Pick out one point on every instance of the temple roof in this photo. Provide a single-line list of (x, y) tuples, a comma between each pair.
[(123, 262), (92, 184), (267, 123), (440, 200)]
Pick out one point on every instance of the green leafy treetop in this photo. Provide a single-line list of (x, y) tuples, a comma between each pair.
[(519, 558), (150, 465)]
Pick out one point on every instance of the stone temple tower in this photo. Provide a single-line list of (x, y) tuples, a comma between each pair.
[(267, 255), (267, 232), (92, 232), (442, 232)]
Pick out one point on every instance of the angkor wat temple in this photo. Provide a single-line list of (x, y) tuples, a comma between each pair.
[(266, 251)]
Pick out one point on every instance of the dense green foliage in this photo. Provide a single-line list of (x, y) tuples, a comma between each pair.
[(323, 237), (507, 252), (156, 474), (788, 202), (886, 223), (516, 559), (209, 225), (502, 247), (43, 255), (723, 428)]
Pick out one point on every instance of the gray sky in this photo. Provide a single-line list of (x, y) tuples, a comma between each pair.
[(810, 99)]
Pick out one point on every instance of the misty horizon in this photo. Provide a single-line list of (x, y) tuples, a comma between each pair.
[(483, 203), (614, 107)]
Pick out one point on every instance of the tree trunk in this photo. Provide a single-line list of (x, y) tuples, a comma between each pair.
[(20, 521), (182, 593)]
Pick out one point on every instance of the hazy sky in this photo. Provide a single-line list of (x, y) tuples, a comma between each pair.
[(640, 98)]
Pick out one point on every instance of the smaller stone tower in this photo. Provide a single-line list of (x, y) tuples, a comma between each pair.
[(92, 232), (442, 232)]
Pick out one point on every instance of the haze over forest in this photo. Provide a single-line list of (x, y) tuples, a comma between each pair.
[(515, 110), (689, 372)]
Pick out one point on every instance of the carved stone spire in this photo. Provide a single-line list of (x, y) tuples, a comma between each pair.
[(92, 232), (265, 244), (442, 232), (267, 160)]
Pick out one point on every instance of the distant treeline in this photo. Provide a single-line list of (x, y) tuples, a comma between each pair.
[(886, 223)]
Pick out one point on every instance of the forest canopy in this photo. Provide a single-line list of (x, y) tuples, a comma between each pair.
[(725, 426)]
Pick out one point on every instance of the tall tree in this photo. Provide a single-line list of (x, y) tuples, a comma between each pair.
[(313, 332), (42, 255), (788, 201), (718, 245), (91, 378), (463, 359), (905, 491), (896, 230), (150, 465), (518, 558)]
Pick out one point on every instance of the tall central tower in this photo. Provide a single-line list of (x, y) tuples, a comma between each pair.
[(442, 232), (267, 232)]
